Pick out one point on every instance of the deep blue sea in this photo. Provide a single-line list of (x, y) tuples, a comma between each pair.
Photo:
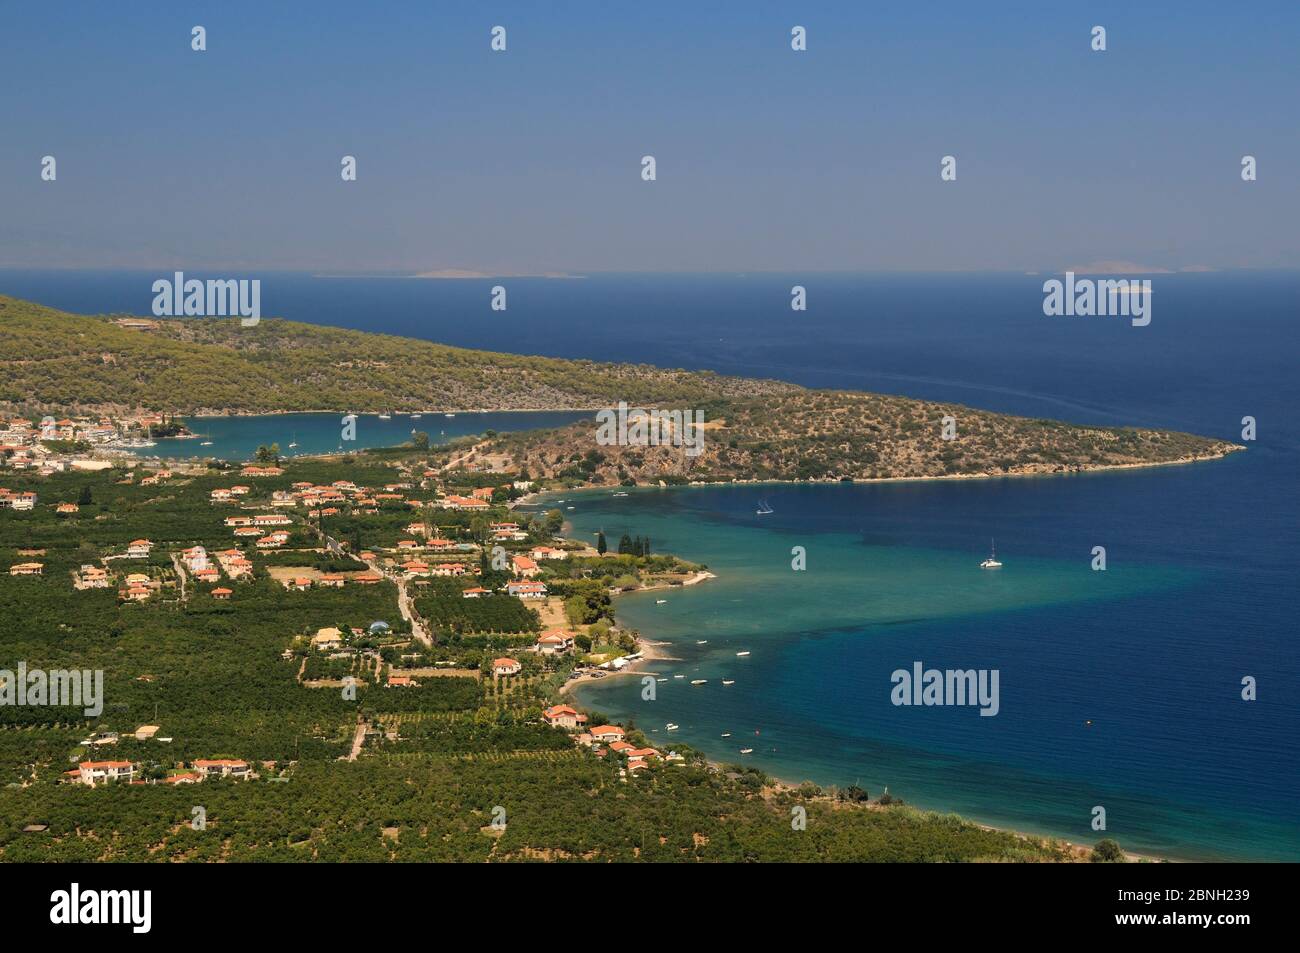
[(1119, 689)]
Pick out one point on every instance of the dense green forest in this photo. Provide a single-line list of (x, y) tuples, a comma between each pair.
[(53, 359), (438, 761)]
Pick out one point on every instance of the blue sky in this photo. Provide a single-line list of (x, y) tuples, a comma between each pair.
[(768, 159)]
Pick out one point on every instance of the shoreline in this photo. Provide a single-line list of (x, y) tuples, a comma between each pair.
[(529, 499), (653, 650)]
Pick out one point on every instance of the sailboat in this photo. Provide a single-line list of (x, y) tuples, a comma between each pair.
[(992, 561), (764, 508), (294, 442), (385, 416)]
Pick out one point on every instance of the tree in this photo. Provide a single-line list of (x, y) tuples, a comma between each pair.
[(85, 498), (601, 545), (552, 522), (420, 439), (625, 545), (1107, 851), (855, 793)]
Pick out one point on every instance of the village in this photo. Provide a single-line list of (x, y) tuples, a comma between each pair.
[(51, 445), (466, 575)]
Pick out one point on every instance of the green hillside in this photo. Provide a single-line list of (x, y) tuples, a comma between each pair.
[(53, 359)]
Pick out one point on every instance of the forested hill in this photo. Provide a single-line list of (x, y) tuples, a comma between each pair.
[(52, 359), (760, 429)]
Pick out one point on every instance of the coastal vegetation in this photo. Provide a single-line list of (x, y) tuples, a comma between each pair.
[(753, 430), (846, 435), (53, 359), (409, 773)]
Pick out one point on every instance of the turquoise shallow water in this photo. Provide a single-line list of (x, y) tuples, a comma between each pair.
[(237, 438), (1182, 766)]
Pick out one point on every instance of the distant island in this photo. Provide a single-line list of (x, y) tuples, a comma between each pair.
[(463, 273)]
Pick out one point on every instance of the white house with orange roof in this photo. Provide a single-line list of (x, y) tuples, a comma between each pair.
[(538, 553), (506, 666), (99, 772), (527, 590), (554, 641), (221, 768), (562, 716), (524, 567), (415, 567), (463, 503)]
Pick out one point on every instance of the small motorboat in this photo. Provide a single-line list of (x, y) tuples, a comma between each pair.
[(670, 726), (698, 681), (746, 750), (741, 654), (728, 681)]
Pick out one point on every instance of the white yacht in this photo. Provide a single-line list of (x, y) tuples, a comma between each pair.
[(992, 561)]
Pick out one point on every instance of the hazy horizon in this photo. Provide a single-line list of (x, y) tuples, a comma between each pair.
[(768, 160)]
